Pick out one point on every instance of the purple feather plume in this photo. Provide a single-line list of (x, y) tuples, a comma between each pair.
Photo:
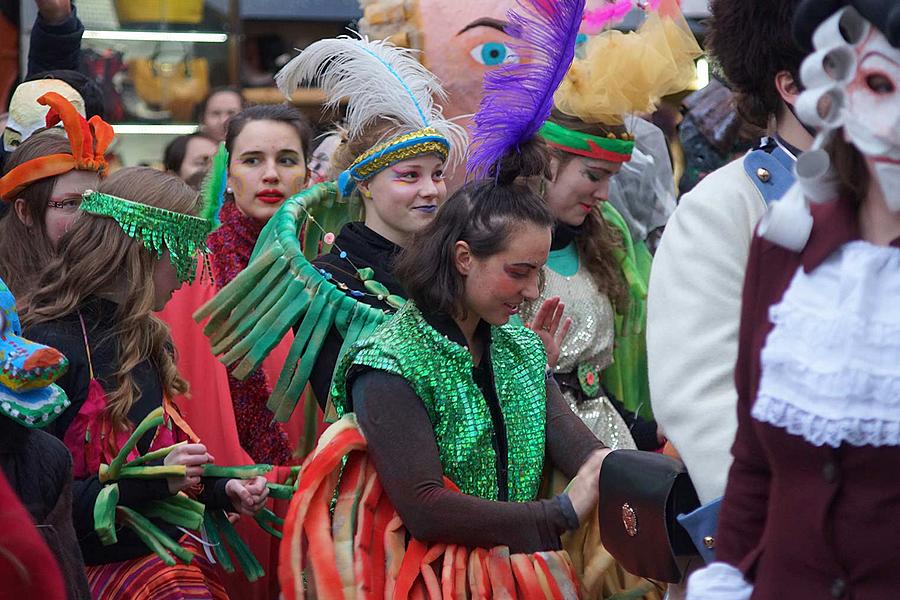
[(518, 97)]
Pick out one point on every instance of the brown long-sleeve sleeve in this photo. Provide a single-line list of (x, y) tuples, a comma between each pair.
[(569, 441), (403, 448)]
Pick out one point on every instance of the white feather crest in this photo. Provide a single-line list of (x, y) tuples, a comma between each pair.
[(379, 80)]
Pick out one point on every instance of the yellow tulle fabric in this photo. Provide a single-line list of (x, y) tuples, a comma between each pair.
[(624, 73)]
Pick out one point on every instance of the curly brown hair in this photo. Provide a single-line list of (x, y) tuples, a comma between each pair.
[(96, 258), (750, 41), (599, 242)]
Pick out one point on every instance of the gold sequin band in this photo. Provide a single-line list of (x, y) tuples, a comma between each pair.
[(380, 157)]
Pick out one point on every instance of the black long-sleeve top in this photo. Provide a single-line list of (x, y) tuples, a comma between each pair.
[(364, 248), (401, 443), (65, 334)]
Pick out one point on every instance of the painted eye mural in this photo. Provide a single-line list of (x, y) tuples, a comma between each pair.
[(492, 54)]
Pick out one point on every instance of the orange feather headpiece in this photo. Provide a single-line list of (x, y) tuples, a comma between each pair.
[(89, 141)]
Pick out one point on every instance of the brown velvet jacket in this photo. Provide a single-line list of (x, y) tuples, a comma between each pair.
[(802, 521)]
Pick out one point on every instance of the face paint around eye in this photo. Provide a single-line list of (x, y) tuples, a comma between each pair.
[(874, 92), (492, 54)]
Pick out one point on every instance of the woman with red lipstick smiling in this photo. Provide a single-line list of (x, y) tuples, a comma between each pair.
[(267, 148)]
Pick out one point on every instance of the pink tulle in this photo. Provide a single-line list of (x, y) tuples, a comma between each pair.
[(596, 20)]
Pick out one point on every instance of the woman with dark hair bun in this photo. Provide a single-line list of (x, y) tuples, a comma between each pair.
[(451, 400), (466, 274)]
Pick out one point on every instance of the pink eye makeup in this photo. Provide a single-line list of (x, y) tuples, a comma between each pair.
[(405, 175), (516, 272)]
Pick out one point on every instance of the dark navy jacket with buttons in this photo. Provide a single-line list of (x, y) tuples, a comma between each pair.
[(802, 521)]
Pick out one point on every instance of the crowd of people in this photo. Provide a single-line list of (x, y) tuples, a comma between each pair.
[(420, 354)]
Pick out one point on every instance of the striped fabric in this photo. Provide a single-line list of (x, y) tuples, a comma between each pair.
[(148, 578)]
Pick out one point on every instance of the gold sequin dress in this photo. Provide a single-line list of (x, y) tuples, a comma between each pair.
[(585, 353)]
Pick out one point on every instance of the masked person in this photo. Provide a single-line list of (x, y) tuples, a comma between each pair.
[(818, 371)]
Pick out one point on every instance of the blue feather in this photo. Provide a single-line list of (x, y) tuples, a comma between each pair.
[(518, 97), (409, 92)]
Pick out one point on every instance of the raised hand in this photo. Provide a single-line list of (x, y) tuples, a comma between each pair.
[(546, 324), (54, 12)]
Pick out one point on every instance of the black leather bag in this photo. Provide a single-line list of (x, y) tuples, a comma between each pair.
[(641, 494)]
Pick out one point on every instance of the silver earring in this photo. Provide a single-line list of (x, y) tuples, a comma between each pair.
[(228, 190)]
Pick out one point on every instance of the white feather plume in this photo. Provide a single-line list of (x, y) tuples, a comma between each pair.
[(379, 80)]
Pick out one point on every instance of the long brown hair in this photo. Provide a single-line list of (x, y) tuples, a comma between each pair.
[(25, 250), (96, 258), (598, 242)]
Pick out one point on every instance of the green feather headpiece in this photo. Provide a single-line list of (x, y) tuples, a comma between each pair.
[(213, 190), (184, 236)]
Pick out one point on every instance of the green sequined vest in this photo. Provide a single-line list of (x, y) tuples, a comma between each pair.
[(440, 372)]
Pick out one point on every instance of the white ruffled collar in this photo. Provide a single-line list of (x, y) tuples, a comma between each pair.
[(831, 365)]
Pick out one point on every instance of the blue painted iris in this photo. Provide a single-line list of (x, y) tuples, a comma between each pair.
[(492, 54)]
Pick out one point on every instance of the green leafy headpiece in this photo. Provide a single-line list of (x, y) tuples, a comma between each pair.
[(184, 236)]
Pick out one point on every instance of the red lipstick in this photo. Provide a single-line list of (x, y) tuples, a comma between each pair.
[(270, 196)]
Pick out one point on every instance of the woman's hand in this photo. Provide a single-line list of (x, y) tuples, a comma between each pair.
[(248, 496), (546, 324), (192, 456), (584, 490)]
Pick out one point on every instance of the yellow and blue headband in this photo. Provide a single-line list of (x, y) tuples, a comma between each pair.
[(380, 157)]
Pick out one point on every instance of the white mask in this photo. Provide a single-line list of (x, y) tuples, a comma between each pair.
[(852, 81), (872, 114), (872, 118)]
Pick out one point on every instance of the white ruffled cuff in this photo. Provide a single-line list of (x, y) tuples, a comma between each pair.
[(718, 581)]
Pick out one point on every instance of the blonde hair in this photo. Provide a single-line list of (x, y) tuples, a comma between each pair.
[(349, 148), (96, 257)]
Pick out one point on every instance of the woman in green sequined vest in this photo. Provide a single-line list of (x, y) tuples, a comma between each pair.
[(449, 388)]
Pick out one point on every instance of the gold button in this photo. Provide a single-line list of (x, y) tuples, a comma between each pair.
[(710, 542), (763, 175)]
